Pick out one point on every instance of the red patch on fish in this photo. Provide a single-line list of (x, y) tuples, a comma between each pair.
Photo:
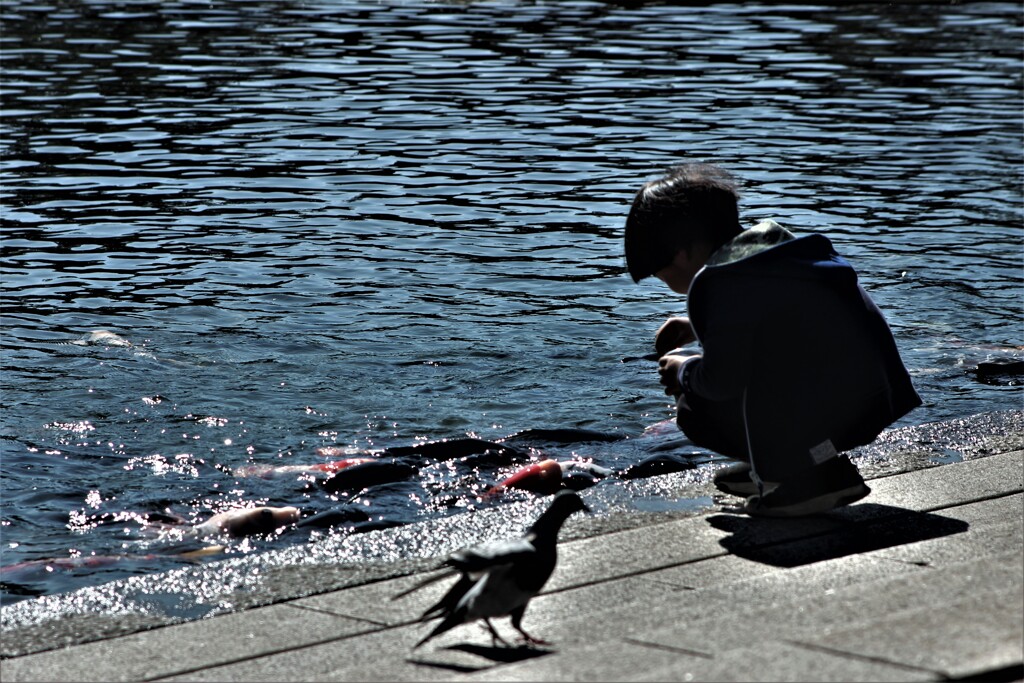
[(339, 464), (540, 477)]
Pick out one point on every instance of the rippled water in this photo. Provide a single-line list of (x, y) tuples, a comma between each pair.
[(374, 224)]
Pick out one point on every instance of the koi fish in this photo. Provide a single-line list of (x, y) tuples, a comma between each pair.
[(1010, 366), (26, 571), (279, 471), (348, 514), (248, 521), (540, 477), (101, 338), (578, 475), (369, 474), (548, 476), (16, 573), (108, 339), (450, 449), (562, 436), (340, 451), (662, 463)]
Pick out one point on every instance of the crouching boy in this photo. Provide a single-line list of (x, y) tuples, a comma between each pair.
[(797, 363)]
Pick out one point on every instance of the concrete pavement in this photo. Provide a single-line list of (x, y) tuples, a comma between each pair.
[(922, 580)]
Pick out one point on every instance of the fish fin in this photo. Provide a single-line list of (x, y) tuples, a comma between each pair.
[(203, 552)]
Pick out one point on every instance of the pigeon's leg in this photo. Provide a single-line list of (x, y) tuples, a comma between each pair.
[(495, 636), (517, 621)]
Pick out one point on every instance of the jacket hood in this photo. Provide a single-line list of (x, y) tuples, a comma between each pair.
[(750, 242), (770, 250)]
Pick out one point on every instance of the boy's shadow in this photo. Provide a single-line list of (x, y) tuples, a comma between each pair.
[(848, 531)]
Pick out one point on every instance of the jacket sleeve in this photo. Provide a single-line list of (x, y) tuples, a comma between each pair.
[(723, 370)]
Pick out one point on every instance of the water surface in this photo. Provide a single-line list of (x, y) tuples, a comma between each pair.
[(375, 224)]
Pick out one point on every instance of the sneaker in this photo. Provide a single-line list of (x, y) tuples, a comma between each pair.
[(834, 483), (735, 480)]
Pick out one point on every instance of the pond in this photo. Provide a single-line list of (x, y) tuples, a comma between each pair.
[(352, 226)]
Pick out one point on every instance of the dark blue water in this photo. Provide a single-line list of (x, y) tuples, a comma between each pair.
[(371, 225)]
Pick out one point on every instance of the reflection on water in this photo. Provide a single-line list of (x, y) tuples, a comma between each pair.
[(367, 224)]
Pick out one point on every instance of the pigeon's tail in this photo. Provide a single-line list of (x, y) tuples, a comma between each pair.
[(424, 639), (426, 582), (450, 621)]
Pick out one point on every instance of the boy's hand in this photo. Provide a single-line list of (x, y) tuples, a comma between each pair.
[(675, 332), (668, 370)]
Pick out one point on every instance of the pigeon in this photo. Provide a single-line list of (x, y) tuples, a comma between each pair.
[(500, 578)]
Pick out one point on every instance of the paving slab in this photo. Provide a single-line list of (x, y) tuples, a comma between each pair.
[(933, 637), (779, 661), (637, 550), (769, 661), (599, 661), (386, 655), (375, 602), (761, 591), (921, 581), (781, 607), (800, 607), (995, 525), (185, 647), (713, 618), (939, 487)]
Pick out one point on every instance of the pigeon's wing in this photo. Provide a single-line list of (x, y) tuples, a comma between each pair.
[(475, 560), (426, 582), (488, 564), (452, 607), (446, 605), (481, 558), (499, 592), (451, 619), (494, 594)]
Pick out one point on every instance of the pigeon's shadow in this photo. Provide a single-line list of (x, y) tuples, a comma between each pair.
[(503, 655), (496, 654), (848, 531)]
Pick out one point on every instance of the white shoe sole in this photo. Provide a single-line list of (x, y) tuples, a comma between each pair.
[(811, 506), (745, 489)]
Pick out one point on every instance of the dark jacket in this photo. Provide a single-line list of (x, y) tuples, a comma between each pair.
[(795, 345)]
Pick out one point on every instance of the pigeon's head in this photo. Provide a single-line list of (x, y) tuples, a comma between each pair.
[(568, 502), (564, 504)]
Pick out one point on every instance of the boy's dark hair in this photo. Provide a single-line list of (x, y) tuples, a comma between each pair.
[(692, 203)]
